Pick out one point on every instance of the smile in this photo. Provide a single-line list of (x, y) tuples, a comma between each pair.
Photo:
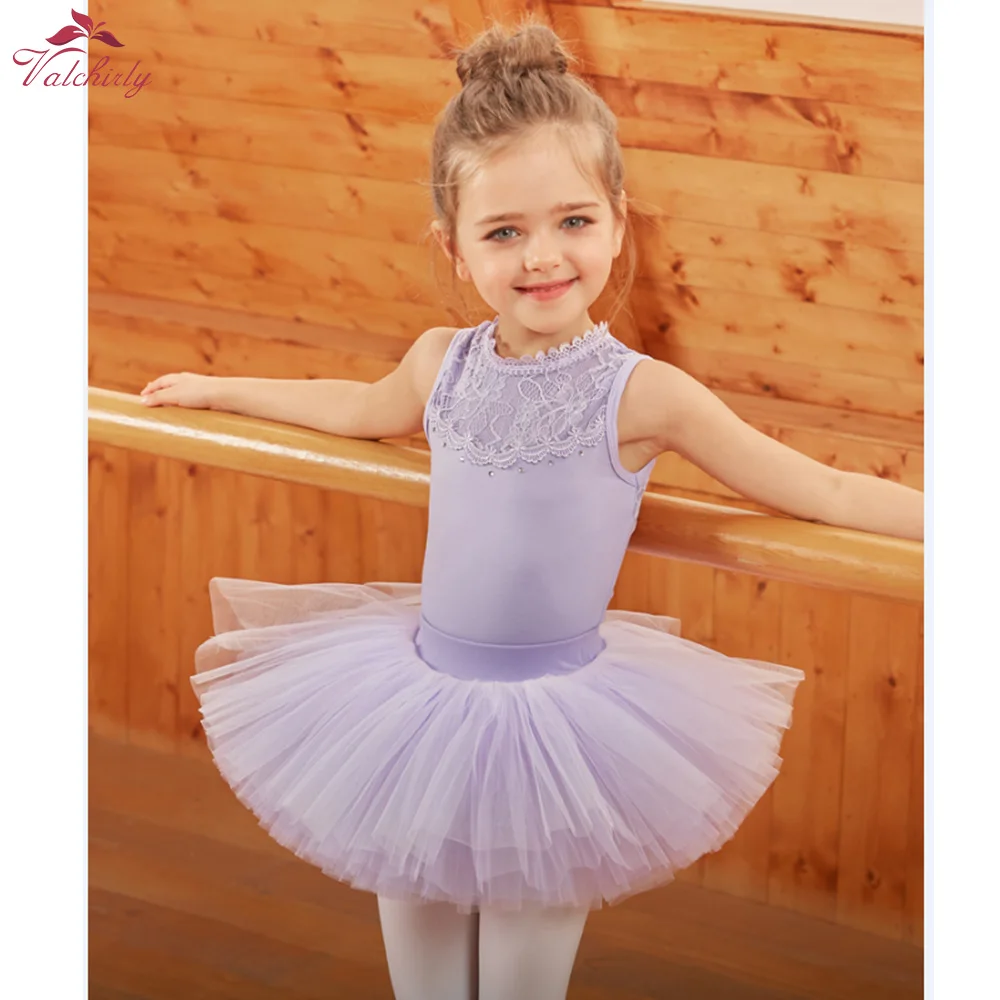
[(550, 290)]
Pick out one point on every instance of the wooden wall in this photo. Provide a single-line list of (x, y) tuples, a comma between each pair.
[(840, 834), (260, 209), (275, 166)]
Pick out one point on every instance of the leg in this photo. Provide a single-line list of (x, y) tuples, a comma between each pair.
[(431, 950), (528, 955)]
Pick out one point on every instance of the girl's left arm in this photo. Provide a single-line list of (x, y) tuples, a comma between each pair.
[(683, 416)]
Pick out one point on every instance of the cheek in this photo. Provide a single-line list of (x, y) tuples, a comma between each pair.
[(496, 266), (595, 256)]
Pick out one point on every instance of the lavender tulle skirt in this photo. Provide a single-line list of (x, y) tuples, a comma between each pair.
[(565, 789)]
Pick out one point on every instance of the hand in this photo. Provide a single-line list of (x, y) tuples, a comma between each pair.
[(180, 389)]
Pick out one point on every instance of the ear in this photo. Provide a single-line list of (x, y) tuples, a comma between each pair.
[(445, 242)]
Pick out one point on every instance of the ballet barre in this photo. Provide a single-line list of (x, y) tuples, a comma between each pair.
[(669, 527)]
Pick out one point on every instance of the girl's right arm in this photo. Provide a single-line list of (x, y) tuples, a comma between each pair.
[(391, 407)]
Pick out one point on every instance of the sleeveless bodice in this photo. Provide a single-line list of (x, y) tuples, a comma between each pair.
[(530, 508)]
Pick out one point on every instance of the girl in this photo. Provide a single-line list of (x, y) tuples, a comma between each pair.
[(492, 751)]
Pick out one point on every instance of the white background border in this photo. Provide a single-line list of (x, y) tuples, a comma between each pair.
[(43, 521), (43, 526)]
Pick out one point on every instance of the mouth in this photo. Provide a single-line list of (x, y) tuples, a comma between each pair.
[(548, 290)]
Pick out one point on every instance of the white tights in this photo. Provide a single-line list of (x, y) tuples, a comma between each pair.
[(436, 953)]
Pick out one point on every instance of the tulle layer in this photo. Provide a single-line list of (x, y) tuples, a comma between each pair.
[(569, 789)]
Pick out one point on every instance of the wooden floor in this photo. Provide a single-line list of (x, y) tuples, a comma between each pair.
[(190, 899)]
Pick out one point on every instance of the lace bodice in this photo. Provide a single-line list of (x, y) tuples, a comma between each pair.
[(504, 411)]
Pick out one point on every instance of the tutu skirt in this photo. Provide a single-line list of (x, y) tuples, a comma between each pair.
[(569, 788)]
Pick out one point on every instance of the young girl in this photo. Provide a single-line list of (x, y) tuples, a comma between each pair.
[(492, 751)]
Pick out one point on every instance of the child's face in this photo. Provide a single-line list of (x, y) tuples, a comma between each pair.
[(536, 236)]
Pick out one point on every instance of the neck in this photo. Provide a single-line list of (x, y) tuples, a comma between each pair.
[(514, 340)]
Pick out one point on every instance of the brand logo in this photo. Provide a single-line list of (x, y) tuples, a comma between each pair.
[(102, 74), (84, 26)]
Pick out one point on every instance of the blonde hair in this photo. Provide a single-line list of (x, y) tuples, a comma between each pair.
[(513, 82)]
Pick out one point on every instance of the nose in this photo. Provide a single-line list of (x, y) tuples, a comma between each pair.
[(541, 253)]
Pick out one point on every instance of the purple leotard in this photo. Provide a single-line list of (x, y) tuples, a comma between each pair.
[(530, 509)]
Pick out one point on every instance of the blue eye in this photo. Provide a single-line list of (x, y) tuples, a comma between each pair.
[(497, 234), (580, 219)]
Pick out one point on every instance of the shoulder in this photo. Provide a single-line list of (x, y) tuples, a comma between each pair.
[(651, 379), (426, 356), (656, 395)]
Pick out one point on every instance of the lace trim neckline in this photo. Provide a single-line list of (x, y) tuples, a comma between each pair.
[(574, 348)]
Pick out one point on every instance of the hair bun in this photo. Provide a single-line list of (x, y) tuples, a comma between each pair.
[(497, 53)]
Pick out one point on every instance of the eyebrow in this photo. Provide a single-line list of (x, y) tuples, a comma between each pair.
[(558, 210)]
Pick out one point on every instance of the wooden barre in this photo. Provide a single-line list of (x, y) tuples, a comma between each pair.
[(671, 527)]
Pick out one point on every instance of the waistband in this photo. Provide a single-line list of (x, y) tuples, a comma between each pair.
[(490, 661)]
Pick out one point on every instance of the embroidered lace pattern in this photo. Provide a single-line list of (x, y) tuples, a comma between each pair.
[(502, 411)]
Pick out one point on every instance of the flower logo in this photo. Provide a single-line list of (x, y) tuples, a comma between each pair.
[(86, 27)]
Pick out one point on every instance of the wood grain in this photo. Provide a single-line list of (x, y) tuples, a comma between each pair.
[(806, 270), (750, 627), (766, 128), (804, 859), (352, 144), (281, 252), (153, 603), (731, 54), (818, 130), (392, 27), (107, 590), (757, 375), (320, 77), (881, 690), (869, 211), (258, 297)]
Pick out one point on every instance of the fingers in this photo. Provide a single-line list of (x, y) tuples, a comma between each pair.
[(158, 398), (159, 383), (157, 392)]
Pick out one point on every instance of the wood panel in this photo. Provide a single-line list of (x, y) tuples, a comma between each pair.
[(391, 27), (806, 270), (153, 601), (154, 185), (151, 186), (884, 215), (780, 199), (914, 909), (756, 375), (747, 624), (352, 144), (807, 286), (210, 547), (804, 858), (297, 257), (737, 125), (210, 342), (734, 321), (839, 834), (321, 77), (107, 590), (709, 318), (731, 54), (884, 665), (257, 297)]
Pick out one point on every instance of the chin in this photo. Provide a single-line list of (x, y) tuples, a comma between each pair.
[(550, 319)]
